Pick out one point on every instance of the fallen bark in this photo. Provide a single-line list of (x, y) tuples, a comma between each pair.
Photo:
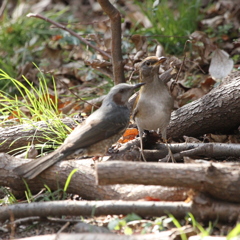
[(219, 180), (203, 209), (82, 183), (216, 112)]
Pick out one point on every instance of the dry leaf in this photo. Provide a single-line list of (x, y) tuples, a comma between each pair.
[(216, 138), (207, 84), (206, 47), (221, 65), (159, 51), (213, 22), (156, 3), (140, 42), (190, 95), (129, 134)]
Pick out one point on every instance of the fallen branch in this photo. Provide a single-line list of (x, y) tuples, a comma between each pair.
[(130, 151), (203, 209), (211, 178), (82, 183), (96, 208)]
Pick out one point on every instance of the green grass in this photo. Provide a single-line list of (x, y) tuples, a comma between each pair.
[(234, 233), (203, 231), (121, 223), (9, 198), (31, 104), (172, 22), (47, 194)]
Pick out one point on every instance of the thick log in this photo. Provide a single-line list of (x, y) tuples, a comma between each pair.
[(216, 112), (22, 135), (83, 182), (221, 181)]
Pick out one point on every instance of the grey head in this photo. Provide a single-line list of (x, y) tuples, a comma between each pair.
[(120, 94)]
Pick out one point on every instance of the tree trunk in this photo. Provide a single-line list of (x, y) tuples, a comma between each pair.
[(116, 32)]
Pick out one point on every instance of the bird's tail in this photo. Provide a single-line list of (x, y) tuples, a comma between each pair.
[(31, 169)]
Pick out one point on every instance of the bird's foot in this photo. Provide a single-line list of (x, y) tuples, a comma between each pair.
[(169, 157)]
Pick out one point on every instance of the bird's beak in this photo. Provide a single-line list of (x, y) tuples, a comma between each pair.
[(138, 85), (160, 60)]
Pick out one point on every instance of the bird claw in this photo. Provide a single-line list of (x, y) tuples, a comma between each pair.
[(169, 157)]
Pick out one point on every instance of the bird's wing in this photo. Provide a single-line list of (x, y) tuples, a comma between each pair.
[(95, 129)]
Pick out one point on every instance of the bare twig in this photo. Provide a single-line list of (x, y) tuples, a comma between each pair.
[(70, 31), (184, 58)]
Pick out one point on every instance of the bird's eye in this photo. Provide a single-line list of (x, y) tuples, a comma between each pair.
[(121, 91), (148, 63)]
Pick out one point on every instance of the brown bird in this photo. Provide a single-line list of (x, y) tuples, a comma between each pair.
[(154, 103), (94, 136)]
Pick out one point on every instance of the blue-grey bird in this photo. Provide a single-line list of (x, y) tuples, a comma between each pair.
[(94, 136)]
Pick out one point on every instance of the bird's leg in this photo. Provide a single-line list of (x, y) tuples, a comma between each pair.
[(170, 154), (141, 144)]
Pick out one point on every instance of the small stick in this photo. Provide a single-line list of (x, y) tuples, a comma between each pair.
[(70, 31)]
